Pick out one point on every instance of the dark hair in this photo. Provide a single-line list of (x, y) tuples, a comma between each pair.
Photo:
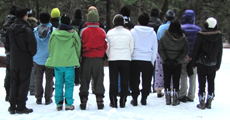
[(118, 21), (45, 17), (78, 13), (206, 27), (155, 12), (13, 10), (125, 11), (143, 19), (175, 27), (20, 12)]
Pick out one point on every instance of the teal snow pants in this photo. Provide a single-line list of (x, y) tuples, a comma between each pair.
[(64, 76)]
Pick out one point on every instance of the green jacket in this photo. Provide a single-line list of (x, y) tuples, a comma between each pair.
[(173, 48), (64, 49)]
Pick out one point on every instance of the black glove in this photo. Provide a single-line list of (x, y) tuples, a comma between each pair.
[(189, 69)]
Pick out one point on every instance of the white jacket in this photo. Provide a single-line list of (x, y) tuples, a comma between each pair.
[(120, 44), (145, 43)]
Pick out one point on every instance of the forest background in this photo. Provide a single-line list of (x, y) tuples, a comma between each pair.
[(108, 8)]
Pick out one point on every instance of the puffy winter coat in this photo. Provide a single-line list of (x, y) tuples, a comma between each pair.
[(155, 23), (190, 29), (120, 44)]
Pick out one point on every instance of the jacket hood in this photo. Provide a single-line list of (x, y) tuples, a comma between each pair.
[(64, 35), (211, 36), (175, 37), (188, 17), (143, 30), (20, 25), (43, 31), (155, 21)]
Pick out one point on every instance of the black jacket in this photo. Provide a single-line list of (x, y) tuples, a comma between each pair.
[(129, 24), (76, 23), (21, 43), (55, 22), (208, 48), (155, 23), (9, 20)]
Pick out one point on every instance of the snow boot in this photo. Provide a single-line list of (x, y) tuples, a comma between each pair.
[(83, 102), (100, 104), (122, 101), (168, 97), (209, 101), (71, 107), (134, 101), (159, 93), (59, 107), (25, 110), (144, 100), (12, 109), (201, 99), (113, 101), (175, 98)]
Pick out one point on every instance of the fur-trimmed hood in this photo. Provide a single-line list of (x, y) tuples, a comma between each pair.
[(211, 36), (175, 37)]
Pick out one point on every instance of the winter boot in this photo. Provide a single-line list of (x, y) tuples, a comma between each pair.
[(168, 97), (32, 91), (134, 101), (113, 101), (12, 109), (201, 99), (83, 102), (175, 98), (99, 99), (71, 107), (25, 110), (7, 94), (159, 93), (144, 100), (209, 101), (122, 101)]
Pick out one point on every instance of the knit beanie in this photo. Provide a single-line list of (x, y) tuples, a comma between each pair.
[(155, 12), (92, 8), (13, 10), (212, 22), (45, 17), (65, 19), (125, 11), (55, 13), (78, 14), (20, 12), (170, 15), (143, 19), (93, 16)]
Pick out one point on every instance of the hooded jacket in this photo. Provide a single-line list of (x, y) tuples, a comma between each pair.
[(145, 43), (64, 49), (21, 43), (208, 48), (42, 34), (174, 48), (120, 44), (155, 23), (190, 29), (161, 29)]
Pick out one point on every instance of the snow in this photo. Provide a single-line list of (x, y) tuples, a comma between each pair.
[(156, 108)]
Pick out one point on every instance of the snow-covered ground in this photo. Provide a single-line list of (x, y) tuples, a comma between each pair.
[(156, 108)]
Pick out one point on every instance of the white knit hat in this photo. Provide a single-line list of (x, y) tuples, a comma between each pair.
[(211, 22)]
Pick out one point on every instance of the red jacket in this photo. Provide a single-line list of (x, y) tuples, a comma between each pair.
[(93, 41)]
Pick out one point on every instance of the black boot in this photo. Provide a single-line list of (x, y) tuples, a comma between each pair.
[(209, 101), (12, 109), (144, 100), (201, 99), (168, 97), (175, 98), (83, 102), (122, 101), (113, 101), (134, 101), (99, 99), (25, 110), (7, 94)]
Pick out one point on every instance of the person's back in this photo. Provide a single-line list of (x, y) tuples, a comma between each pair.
[(154, 20), (77, 18)]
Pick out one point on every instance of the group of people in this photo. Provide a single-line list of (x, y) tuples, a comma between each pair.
[(73, 52)]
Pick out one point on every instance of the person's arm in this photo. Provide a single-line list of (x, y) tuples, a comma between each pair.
[(154, 48), (196, 50), (161, 49), (184, 51), (219, 56), (31, 42)]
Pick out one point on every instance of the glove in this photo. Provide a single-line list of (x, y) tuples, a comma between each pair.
[(189, 69)]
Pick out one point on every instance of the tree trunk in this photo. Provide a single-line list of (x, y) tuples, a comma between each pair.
[(164, 10), (108, 14)]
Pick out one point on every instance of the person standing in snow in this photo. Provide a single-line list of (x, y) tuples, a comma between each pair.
[(94, 46), (42, 34), (143, 57), (155, 23), (9, 20), (190, 31), (207, 55), (21, 43), (64, 54), (119, 51), (173, 48)]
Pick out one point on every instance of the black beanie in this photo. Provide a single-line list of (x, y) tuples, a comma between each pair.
[(20, 12), (78, 13), (125, 11), (170, 15), (175, 27), (143, 19), (45, 17), (13, 10), (155, 12), (65, 19)]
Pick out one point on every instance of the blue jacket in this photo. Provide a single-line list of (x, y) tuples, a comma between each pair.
[(162, 29), (42, 34), (190, 29)]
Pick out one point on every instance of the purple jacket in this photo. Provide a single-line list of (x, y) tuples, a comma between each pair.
[(190, 29)]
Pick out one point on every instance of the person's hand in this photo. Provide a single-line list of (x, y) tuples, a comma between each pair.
[(186, 58)]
